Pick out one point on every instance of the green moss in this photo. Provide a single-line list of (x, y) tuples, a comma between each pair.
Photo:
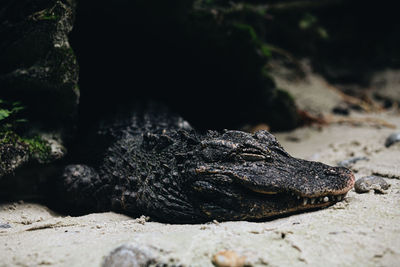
[(247, 28), (38, 148), (307, 21), (322, 32), (35, 146), (11, 149), (266, 51), (15, 151), (256, 41), (47, 14), (310, 22), (8, 137), (283, 94), (49, 17)]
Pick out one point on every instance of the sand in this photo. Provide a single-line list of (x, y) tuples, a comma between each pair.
[(362, 230)]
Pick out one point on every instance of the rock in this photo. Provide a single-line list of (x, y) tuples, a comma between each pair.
[(228, 258), (393, 138), (13, 153), (368, 183), (39, 71), (37, 65), (17, 152), (349, 162), (5, 225), (129, 256)]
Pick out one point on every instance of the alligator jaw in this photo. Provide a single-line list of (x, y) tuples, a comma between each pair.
[(304, 201), (316, 202), (327, 199), (295, 201)]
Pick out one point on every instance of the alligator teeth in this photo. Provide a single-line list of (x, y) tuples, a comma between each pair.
[(324, 199)]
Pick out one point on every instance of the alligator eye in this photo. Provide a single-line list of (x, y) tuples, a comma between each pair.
[(252, 157)]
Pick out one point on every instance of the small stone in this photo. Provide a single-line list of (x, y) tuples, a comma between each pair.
[(368, 183), (142, 219), (349, 162), (130, 256), (393, 138), (5, 225), (46, 262), (228, 258)]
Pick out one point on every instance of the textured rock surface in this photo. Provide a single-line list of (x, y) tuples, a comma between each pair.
[(37, 69), (37, 64), (13, 153)]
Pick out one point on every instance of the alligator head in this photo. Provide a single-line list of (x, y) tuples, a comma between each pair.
[(182, 176), (242, 176)]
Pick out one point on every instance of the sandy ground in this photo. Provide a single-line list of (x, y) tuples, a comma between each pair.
[(362, 230)]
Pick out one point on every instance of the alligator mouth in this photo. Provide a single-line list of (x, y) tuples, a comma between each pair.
[(319, 201), (300, 201), (312, 200), (296, 201)]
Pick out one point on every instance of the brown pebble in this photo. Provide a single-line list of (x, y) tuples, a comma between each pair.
[(228, 258)]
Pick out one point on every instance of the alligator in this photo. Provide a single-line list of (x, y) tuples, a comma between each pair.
[(154, 163)]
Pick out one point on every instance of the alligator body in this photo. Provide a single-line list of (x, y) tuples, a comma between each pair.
[(154, 163)]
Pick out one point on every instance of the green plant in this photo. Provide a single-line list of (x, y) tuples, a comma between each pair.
[(9, 114), (309, 22)]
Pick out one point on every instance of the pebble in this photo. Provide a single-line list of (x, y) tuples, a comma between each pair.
[(349, 162), (141, 220), (368, 183), (228, 258), (393, 138), (129, 255), (5, 225)]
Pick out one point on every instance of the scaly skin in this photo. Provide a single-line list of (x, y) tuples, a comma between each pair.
[(153, 163)]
